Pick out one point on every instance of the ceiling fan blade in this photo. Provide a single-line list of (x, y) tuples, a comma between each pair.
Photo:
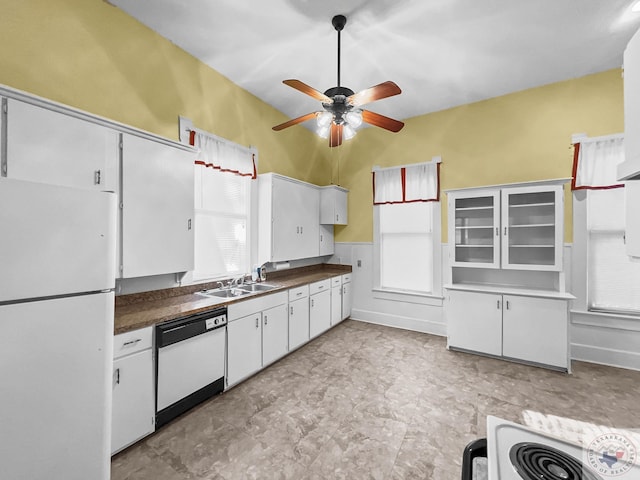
[(335, 135), (377, 92), (382, 121), (304, 88), (295, 121)]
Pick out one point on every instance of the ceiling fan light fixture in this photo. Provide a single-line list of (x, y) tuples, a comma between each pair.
[(354, 118), (324, 119), (323, 131), (348, 132)]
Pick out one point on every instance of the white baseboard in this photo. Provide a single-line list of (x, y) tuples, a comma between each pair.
[(397, 321), (605, 356)]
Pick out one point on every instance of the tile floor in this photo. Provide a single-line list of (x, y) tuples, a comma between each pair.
[(370, 402)]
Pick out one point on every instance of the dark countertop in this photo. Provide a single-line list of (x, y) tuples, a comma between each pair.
[(141, 310)]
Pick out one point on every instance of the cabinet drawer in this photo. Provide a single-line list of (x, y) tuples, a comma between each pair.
[(346, 278), (132, 342), (336, 281), (318, 287), (299, 292)]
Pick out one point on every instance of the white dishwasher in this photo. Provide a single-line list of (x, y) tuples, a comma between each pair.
[(190, 363)]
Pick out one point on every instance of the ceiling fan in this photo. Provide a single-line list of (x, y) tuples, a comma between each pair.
[(342, 112)]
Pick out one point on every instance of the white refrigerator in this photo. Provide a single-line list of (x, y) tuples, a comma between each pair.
[(57, 275)]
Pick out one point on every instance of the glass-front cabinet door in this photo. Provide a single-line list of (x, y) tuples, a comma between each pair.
[(474, 232), (532, 228)]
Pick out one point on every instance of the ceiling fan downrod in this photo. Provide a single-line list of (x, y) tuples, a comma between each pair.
[(338, 22)]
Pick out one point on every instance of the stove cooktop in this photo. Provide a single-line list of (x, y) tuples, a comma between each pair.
[(516, 452)]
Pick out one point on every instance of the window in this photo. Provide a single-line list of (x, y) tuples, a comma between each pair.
[(612, 277), (406, 246), (224, 186), (407, 228), (603, 270)]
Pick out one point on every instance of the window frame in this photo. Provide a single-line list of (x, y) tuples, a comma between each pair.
[(410, 296)]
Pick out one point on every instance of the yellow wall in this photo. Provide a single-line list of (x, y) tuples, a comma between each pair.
[(92, 56), (518, 137)]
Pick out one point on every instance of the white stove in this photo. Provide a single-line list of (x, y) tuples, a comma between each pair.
[(516, 452)]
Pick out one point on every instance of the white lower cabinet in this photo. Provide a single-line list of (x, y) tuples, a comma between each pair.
[(474, 321), (244, 347), (133, 411), (298, 316), (256, 335), (336, 300), (533, 329), (346, 296), (319, 307), (275, 334)]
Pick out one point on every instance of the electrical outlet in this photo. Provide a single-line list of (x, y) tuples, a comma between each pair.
[(359, 263)]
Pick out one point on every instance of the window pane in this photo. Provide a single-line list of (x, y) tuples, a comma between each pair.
[(406, 261), (613, 279), (406, 246), (406, 217), (224, 192), (220, 246)]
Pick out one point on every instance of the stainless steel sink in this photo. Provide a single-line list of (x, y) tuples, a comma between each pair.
[(224, 293), (237, 292), (257, 287)]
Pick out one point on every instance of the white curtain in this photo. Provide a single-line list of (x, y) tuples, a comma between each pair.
[(596, 162), (410, 183), (223, 155)]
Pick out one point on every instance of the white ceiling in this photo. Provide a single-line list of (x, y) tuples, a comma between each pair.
[(441, 53)]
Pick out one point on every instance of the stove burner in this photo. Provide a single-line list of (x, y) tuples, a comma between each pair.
[(534, 461)]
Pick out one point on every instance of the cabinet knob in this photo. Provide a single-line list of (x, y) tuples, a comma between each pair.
[(265, 319), (257, 322), (96, 177), (498, 304)]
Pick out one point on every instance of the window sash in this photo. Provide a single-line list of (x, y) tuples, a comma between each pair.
[(406, 246)]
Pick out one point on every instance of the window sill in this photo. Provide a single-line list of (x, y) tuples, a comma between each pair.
[(605, 320), (408, 296)]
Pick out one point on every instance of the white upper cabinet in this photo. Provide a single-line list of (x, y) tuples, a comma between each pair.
[(333, 205), (511, 228), (288, 219), (48, 146), (157, 207), (630, 168), (474, 228), (532, 228)]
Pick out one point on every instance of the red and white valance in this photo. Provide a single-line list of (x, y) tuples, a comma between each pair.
[(223, 155), (419, 182), (595, 162)]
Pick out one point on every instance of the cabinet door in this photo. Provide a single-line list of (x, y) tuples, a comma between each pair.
[(326, 240), (474, 229), (275, 334), (157, 212), (346, 300), (336, 305), (319, 313), (535, 329), (333, 205), (133, 412), (298, 322), (286, 226), (46, 146), (632, 106), (532, 228), (474, 321), (244, 347), (295, 228)]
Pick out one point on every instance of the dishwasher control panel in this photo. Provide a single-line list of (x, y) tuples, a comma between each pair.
[(217, 321)]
